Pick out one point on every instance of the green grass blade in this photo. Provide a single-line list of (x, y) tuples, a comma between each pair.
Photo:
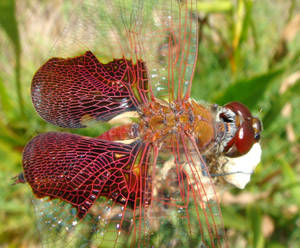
[(9, 24), (249, 91)]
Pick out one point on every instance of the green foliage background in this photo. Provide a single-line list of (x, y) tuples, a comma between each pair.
[(248, 51)]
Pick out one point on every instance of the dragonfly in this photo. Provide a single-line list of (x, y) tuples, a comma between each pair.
[(151, 180)]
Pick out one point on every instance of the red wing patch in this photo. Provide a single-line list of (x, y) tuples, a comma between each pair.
[(78, 169), (68, 92)]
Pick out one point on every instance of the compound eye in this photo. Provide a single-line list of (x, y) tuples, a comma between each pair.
[(226, 118), (257, 127), (242, 141), (239, 109), (245, 138), (248, 130)]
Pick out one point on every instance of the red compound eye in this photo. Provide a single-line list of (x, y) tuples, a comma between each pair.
[(248, 130), (244, 138), (239, 109), (257, 126)]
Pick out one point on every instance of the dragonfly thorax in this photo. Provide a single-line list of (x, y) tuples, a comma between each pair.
[(164, 123)]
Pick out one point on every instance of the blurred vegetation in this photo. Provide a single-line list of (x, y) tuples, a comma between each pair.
[(248, 51)]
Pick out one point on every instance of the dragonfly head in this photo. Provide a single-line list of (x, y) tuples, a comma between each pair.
[(246, 128)]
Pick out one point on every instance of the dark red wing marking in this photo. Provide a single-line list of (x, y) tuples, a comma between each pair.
[(67, 92), (79, 169)]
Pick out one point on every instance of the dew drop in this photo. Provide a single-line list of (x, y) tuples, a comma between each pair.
[(123, 105), (180, 211), (108, 209)]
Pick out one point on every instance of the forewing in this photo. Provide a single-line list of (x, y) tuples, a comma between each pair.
[(95, 188), (119, 195), (139, 49), (162, 33), (184, 207)]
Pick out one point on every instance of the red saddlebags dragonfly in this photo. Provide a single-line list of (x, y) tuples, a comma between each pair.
[(151, 181)]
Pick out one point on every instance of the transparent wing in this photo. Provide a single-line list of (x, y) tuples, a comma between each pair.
[(117, 195), (184, 208), (162, 34)]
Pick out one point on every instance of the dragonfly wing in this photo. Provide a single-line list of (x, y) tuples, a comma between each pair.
[(95, 187), (71, 92), (78, 169), (177, 24), (162, 34), (184, 202)]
